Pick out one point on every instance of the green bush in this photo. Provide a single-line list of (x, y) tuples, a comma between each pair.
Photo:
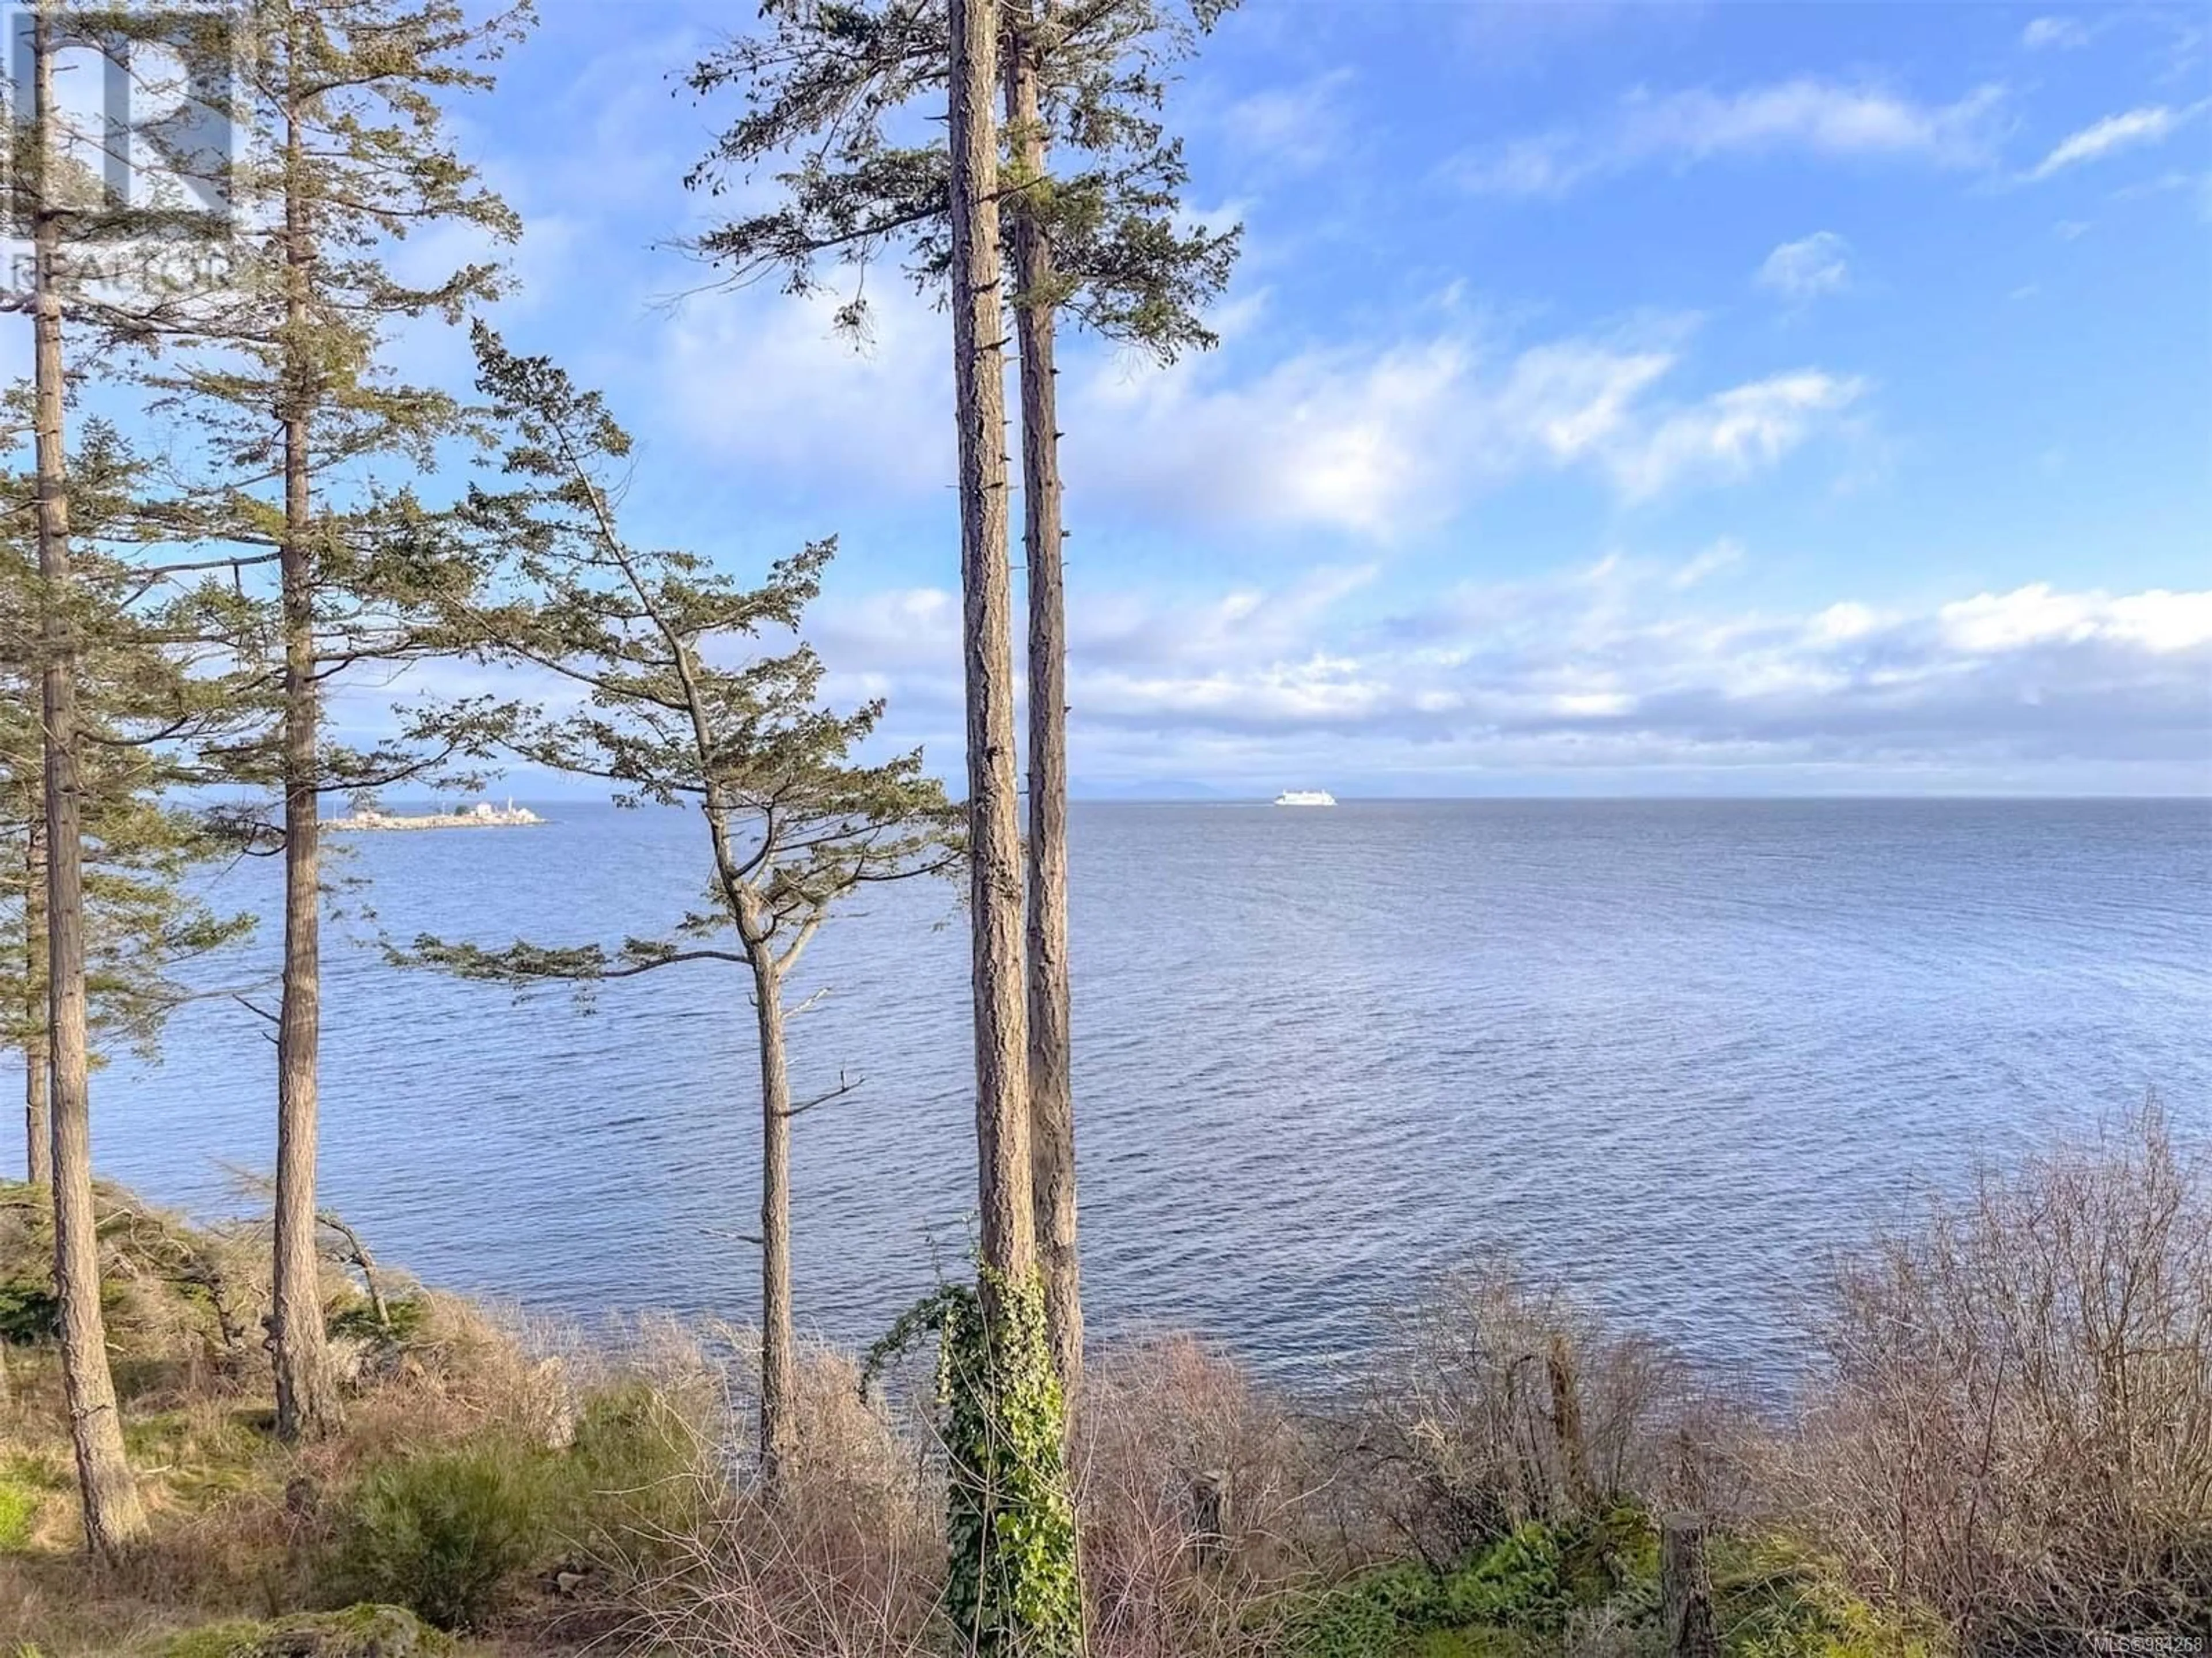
[(357, 1321), (28, 1311), (1519, 1580), (447, 1533), (1360, 1618), (1525, 1583), (629, 1440), (628, 1473)]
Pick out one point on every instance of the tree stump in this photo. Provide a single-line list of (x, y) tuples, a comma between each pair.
[(1209, 1517), (1685, 1588), (1567, 1426)]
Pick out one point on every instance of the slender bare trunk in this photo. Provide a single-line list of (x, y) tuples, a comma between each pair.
[(113, 1516), (779, 1429), (306, 1399), (1052, 1107), (38, 1117), (1002, 1124)]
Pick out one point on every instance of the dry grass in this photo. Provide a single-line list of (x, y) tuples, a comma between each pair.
[(242, 1525), (844, 1561)]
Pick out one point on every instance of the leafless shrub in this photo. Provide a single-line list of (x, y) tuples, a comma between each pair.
[(1194, 1491), (844, 1560), (1496, 1398), (2014, 1424), (1705, 1452)]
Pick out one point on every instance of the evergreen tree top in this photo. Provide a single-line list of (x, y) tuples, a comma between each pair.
[(827, 92), (681, 685)]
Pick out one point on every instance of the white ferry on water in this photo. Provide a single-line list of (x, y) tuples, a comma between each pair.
[(1305, 798)]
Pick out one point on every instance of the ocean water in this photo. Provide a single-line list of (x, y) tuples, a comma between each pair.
[(1674, 1052)]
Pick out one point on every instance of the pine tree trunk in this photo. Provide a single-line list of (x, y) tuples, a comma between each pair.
[(1052, 1108), (307, 1405), (779, 1428), (306, 1399), (38, 1118), (1002, 1124), (113, 1517)]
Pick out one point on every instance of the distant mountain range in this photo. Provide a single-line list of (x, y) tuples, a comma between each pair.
[(1155, 788)]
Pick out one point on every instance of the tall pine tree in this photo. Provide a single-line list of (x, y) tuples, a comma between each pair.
[(1103, 238), (305, 429), (113, 1516), (145, 699)]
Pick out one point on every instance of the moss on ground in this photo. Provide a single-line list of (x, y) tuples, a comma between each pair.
[(366, 1631)]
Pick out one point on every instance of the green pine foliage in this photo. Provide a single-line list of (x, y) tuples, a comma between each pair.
[(349, 156), (145, 697), (679, 686), (821, 91), (693, 689)]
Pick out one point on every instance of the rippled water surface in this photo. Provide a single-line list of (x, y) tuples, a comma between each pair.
[(1672, 1050)]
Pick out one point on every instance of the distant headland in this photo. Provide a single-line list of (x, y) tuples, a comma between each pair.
[(482, 814)]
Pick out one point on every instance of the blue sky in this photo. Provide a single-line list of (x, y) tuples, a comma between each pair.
[(1774, 399)]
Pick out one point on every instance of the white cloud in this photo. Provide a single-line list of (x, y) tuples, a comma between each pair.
[(2054, 34), (2136, 128), (1247, 624), (1294, 128), (1732, 433), (2159, 623), (1805, 115), (1344, 439), (1387, 440), (1842, 622), (1577, 398), (1617, 664), (1371, 440), (767, 377), (1813, 115), (1806, 269), (1721, 555)]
